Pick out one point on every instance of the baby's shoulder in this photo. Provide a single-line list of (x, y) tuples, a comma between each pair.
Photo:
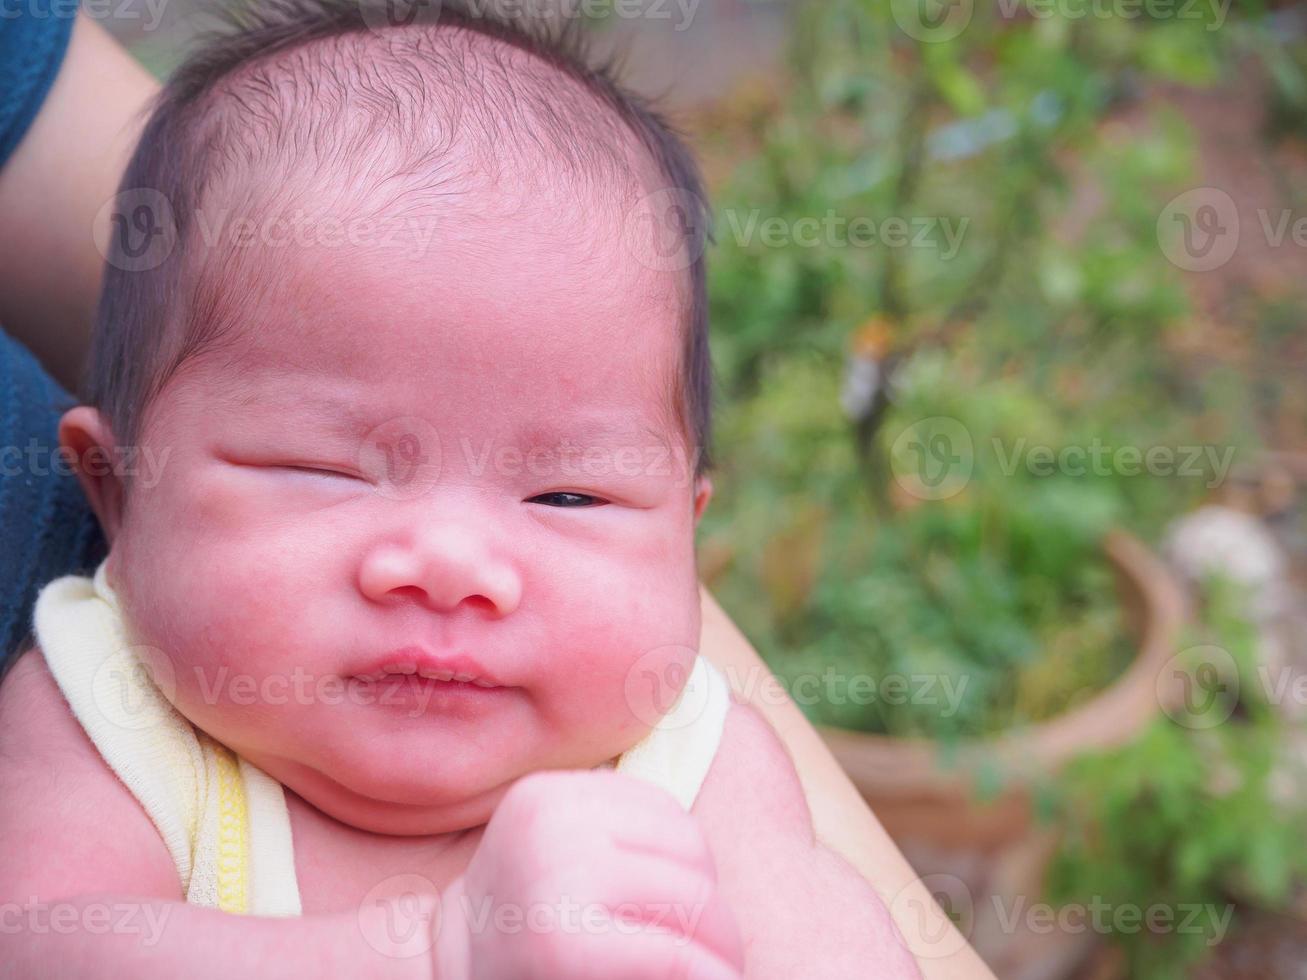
[(76, 829), (752, 773), (40, 739)]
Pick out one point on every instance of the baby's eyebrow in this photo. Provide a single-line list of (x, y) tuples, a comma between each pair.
[(608, 430), (339, 413)]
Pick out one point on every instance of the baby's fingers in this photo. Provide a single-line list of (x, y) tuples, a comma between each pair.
[(633, 954), (573, 811), (630, 893)]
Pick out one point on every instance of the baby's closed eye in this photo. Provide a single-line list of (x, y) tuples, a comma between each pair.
[(322, 470)]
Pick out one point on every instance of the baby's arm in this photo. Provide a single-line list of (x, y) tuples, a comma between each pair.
[(88, 889), (802, 909)]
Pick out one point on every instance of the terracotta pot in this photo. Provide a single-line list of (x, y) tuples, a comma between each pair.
[(995, 851)]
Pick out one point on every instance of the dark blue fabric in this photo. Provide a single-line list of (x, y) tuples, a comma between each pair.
[(46, 527), (33, 39)]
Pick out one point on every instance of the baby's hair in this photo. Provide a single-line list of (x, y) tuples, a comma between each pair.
[(243, 113)]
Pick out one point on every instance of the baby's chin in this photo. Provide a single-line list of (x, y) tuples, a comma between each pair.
[(408, 798), (393, 808)]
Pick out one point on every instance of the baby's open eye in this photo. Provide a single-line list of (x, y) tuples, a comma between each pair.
[(566, 499)]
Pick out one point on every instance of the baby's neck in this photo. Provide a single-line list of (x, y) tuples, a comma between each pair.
[(377, 815), (338, 866)]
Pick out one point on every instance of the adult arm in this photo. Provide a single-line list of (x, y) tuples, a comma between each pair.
[(65, 168), (841, 819)]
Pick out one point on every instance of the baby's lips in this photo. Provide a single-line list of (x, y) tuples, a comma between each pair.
[(416, 660)]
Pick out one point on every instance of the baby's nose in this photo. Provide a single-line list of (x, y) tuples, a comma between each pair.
[(442, 569)]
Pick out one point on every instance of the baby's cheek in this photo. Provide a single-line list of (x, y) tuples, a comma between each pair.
[(626, 653), (627, 612), (228, 613)]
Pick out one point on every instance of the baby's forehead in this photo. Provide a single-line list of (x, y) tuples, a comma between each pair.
[(533, 312), (378, 182), (501, 351)]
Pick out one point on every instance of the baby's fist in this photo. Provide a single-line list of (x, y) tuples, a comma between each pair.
[(591, 876)]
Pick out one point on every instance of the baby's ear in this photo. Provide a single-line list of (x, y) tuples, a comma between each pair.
[(88, 442), (702, 494)]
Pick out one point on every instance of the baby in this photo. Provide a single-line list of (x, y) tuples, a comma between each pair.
[(411, 309)]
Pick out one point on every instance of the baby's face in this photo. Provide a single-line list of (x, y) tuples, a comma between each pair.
[(454, 461)]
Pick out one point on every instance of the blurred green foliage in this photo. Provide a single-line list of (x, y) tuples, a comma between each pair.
[(1057, 324), (1049, 327), (1000, 589), (1205, 808)]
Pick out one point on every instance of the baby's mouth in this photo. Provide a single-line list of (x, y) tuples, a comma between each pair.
[(416, 664), (426, 673)]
